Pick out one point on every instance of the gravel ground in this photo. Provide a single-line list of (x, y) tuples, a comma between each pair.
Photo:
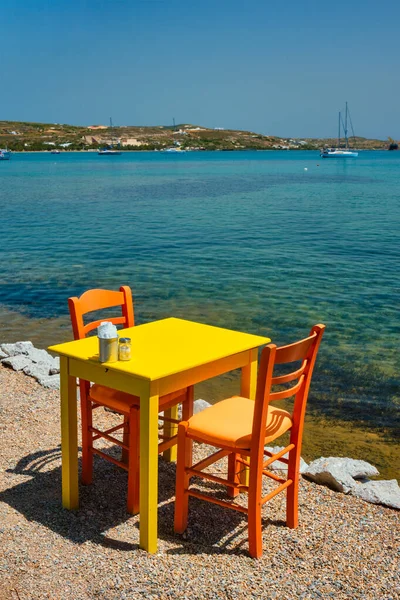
[(343, 548)]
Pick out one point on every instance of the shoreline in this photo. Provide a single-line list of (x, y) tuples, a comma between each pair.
[(323, 435), (188, 151)]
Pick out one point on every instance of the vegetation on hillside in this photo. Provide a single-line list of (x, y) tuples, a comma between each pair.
[(26, 137)]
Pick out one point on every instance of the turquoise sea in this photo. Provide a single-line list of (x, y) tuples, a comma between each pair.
[(246, 240)]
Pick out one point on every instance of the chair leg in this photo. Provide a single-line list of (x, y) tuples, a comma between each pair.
[(87, 440), (170, 429), (187, 412), (132, 504), (182, 480), (125, 439), (254, 511), (233, 473), (188, 404), (292, 494)]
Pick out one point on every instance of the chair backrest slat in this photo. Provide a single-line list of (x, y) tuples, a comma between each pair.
[(289, 392), (294, 352), (289, 376), (99, 299), (94, 324)]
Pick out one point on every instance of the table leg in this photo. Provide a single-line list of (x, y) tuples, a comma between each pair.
[(69, 437), (249, 376), (248, 390), (171, 429), (149, 468)]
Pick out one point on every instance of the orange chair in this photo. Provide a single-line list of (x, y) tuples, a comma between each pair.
[(241, 428), (125, 404)]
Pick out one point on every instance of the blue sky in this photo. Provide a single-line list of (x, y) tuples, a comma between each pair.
[(282, 68)]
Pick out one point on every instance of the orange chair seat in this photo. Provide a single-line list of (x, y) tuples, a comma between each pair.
[(230, 422), (119, 401), (122, 402)]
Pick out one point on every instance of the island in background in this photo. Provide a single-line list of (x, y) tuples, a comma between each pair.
[(27, 137)]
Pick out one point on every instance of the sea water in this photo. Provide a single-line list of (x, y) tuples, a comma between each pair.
[(264, 242)]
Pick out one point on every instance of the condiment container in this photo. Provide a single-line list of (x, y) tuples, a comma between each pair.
[(124, 349), (108, 349)]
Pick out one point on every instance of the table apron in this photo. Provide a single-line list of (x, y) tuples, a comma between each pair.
[(126, 382), (195, 375), (117, 380)]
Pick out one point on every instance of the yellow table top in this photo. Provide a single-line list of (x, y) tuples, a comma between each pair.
[(166, 347)]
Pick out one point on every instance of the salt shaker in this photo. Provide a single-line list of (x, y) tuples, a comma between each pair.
[(124, 348)]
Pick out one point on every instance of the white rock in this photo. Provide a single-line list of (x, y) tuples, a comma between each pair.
[(200, 405), (17, 348), (17, 362), (40, 356), (281, 466), (51, 381), (379, 492), (3, 354), (339, 473), (37, 370)]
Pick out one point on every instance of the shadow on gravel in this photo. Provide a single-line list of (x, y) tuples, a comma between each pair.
[(102, 504), (211, 529)]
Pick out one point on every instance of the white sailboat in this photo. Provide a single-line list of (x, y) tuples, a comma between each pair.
[(176, 148), (5, 154), (340, 152), (109, 150)]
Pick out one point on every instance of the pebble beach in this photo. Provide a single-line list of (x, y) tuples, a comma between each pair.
[(343, 547)]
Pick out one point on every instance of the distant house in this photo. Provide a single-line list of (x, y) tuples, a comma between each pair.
[(130, 142), (97, 127)]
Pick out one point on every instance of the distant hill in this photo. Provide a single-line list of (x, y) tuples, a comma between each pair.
[(22, 136)]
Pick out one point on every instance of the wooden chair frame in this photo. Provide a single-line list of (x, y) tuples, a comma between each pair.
[(256, 458), (96, 300)]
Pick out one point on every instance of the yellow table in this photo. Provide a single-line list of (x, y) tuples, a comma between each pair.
[(167, 355)]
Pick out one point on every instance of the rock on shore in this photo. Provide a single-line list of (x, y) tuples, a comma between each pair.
[(39, 364), (352, 477)]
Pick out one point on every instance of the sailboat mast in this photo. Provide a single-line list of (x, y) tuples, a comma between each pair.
[(338, 139), (345, 129)]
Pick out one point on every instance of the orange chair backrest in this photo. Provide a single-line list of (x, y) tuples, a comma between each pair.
[(94, 300), (305, 351)]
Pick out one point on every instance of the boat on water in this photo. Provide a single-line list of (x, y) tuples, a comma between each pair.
[(174, 150), (5, 154), (109, 152), (341, 152), (338, 152), (109, 149), (55, 152)]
